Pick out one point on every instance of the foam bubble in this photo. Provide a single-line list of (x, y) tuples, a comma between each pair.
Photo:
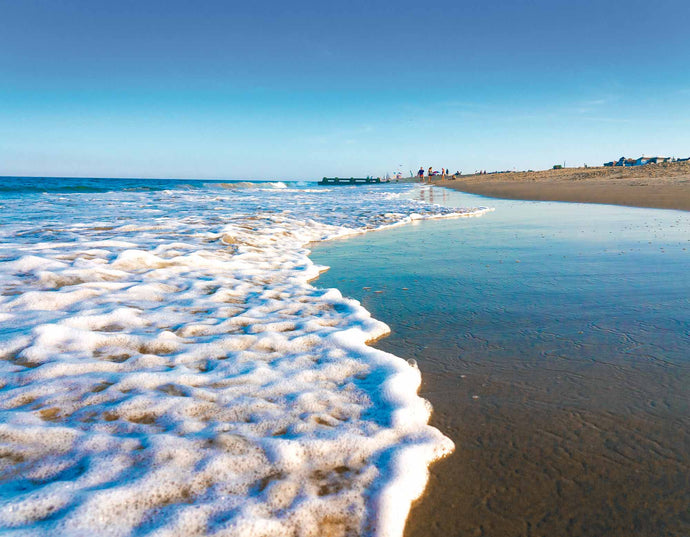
[(168, 375)]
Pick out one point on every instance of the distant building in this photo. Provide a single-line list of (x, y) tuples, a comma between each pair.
[(625, 162), (642, 161), (650, 160)]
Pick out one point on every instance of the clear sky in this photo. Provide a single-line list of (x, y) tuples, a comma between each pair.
[(302, 89)]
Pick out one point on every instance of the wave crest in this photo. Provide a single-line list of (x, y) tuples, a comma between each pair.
[(254, 184)]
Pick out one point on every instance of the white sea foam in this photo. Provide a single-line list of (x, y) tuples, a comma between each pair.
[(254, 184), (167, 369)]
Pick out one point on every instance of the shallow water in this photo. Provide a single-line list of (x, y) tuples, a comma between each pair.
[(167, 369), (554, 346)]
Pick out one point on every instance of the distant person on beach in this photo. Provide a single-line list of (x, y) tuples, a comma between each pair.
[(443, 173), (430, 173), (420, 174)]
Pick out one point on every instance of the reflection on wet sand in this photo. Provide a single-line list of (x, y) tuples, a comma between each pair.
[(552, 340)]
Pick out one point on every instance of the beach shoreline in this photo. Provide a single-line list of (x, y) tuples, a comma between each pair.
[(521, 324), (657, 186)]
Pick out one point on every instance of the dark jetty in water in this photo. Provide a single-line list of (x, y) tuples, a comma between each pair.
[(350, 180)]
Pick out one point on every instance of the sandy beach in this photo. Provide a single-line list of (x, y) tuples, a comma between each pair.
[(660, 186)]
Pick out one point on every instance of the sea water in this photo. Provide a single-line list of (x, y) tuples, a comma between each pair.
[(166, 368), (554, 345)]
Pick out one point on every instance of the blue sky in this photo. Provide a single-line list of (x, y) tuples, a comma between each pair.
[(303, 89)]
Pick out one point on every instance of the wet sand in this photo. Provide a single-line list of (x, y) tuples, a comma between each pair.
[(526, 464), (553, 345), (662, 186)]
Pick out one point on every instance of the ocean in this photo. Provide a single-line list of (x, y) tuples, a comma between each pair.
[(167, 368)]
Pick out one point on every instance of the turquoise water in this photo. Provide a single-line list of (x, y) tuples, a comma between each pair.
[(554, 344)]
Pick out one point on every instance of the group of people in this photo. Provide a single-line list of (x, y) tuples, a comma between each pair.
[(445, 172)]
